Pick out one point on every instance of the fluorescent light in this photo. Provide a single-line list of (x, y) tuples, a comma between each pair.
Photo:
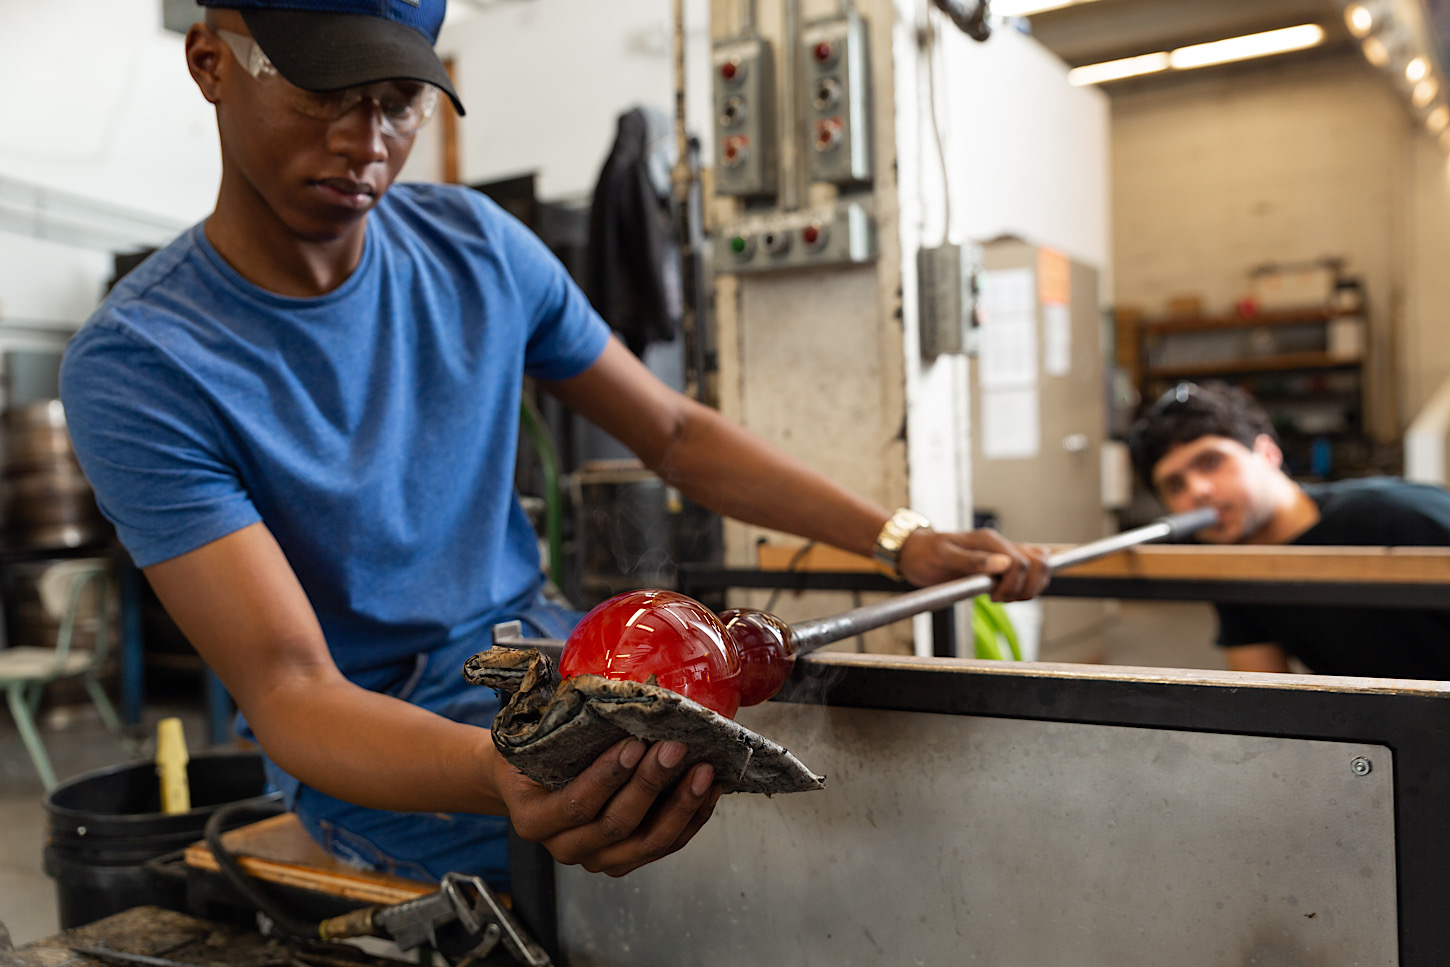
[(1359, 19), (1030, 8), (1247, 46), (1115, 70), (1203, 55), (1375, 51), (1438, 119), (1416, 69), (1424, 92)]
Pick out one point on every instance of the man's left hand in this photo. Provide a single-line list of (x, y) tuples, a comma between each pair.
[(929, 557)]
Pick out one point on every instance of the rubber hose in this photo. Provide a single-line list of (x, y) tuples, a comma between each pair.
[(248, 887)]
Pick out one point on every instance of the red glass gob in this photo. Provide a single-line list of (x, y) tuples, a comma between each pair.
[(674, 638), (766, 651)]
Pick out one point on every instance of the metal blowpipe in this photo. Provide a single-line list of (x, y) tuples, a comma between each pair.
[(818, 632)]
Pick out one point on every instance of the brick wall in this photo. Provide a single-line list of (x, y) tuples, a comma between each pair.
[(1216, 173)]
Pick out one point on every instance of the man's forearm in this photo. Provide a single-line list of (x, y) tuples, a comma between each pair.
[(377, 751), (735, 473)]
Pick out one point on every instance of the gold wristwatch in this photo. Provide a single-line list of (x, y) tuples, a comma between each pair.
[(887, 550)]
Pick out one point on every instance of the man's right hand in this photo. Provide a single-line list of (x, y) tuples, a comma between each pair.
[(622, 812)]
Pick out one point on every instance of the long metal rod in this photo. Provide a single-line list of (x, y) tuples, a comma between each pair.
[(818, 632)]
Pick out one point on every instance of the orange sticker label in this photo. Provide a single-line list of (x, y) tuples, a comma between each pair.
[(1054, 278)]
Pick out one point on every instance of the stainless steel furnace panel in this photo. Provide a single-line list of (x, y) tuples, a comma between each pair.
[(951, 839)]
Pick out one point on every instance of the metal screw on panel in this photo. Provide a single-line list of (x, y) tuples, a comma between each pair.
[(1360, 766)]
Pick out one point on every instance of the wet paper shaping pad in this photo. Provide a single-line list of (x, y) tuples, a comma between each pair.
[(551, 730)]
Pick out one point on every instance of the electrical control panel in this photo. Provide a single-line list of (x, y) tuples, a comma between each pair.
[(836, 100), (745, 156), (947, 296), (842, 235)]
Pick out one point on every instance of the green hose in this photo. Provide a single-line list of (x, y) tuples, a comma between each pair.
[(533, 423)]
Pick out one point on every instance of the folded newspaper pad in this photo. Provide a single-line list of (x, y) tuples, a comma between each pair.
[(552, 730)]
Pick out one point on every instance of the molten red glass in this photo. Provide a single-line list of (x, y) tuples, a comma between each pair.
[(766, 650), (674, 638)]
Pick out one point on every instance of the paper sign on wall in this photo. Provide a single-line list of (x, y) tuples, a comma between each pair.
[(1054, 277), (1007, 349), (1056, 340), (1010, 424)]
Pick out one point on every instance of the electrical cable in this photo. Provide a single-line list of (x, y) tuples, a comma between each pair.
[(795, 560), (941, 151), (249, 888)]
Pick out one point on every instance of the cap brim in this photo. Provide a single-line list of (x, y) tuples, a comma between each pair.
[(330, 51)]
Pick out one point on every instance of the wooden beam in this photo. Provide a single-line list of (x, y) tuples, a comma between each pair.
[(1382, 565), (278, 850), (1368, 565)]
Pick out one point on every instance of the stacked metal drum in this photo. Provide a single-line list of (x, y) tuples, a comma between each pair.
[(47, 503), (47, 514)]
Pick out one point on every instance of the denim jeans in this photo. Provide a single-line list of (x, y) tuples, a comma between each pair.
[(425, 845)]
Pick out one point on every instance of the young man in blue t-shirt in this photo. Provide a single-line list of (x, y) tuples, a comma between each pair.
[(1212, 445), (302, 418)]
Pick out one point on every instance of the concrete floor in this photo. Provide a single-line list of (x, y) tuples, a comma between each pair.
[(77, 742), (1131, 633)]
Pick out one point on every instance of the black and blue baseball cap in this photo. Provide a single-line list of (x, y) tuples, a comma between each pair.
[(326, 45)]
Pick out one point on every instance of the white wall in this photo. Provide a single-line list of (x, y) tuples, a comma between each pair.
[(1029, 152), (1213, 175), (545, 81), (103, 111), (1026, 155)]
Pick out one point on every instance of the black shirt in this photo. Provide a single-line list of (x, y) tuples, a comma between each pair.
[(1373, 642)]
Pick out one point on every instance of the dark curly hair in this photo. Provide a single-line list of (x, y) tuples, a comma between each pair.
[(1189, 411)]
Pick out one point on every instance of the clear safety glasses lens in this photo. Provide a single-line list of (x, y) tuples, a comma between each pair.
[(403, 106)]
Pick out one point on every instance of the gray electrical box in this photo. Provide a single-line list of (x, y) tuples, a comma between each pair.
[(844, 234), (179, 15), (947, 287), (745, 156), (836, 100)]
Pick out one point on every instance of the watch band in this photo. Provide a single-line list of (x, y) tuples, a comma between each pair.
[(898, 527)]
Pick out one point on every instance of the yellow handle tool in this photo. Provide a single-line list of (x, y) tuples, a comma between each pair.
[(171, 759)]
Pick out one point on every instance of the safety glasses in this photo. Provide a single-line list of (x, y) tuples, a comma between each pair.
[(403, 106)]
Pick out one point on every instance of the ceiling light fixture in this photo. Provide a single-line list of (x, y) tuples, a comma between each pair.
[(1415, 70), (1424, 92), (1116, 70), (1376, 52), (1248, 46), (1438, 120), (1201, 55), (1359, 19)]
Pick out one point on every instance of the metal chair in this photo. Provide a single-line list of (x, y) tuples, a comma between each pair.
[(25, 671)]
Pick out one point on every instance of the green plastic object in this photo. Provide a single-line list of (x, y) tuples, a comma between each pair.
[(990, 628)]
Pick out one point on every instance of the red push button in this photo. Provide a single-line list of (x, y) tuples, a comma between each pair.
[(825, 52), (827, 134), (730, 70), (734, 151)]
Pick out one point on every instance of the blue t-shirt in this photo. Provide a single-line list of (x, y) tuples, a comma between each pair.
[(373, 429)]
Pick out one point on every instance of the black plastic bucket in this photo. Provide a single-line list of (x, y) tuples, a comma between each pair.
[(103, 826)]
